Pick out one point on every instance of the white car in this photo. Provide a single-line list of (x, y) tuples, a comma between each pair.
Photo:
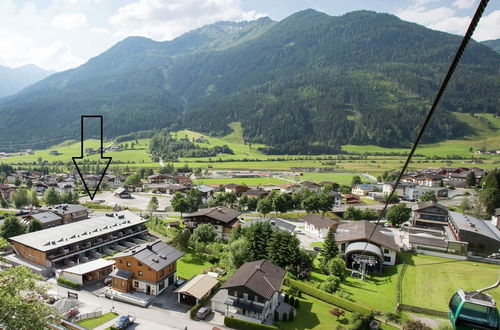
[(299, 231)]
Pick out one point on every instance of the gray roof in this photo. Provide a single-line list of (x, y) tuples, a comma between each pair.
[(156, 255), (361, 231), (52, 238), (46, 217), (65, 208), (261, 277), (119, 190), (424, 205), (220, 213), (274, 221), (204, 188), (469, 223), (426, 239)]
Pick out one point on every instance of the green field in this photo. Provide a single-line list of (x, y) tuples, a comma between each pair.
[(430, 281), (242, 181)]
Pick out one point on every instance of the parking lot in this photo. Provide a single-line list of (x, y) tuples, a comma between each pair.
[(138, 201)]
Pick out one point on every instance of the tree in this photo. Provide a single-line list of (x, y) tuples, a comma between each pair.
[(29, 183), (20, 303), (428, 196), (252, 204), (230, 199), (331, 284), (355, 180), (337, 312), (11, 227), (258, 236), (398, 214), (281, 203), (153, 204), (311, 204), (326, 202), (179, 203), (34, 225), (182, 239), (51, 197), (345, 189), (33, 199), (204, 233), (330, 248), (368, 214), (264, 206), (394, 199), (336, 267), (283, 249), (194, 199), (19, 198), (133, 180), (353, 213), (236, 233), (489, 197), (17, 182), (3, 203), (470, 179), (239, 252), (242, 202)]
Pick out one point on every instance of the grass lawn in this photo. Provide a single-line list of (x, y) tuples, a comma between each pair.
[(431, 281), (340, 178), (242, 181), (314, 314), (191, 264), (97, 321), (320, 244)]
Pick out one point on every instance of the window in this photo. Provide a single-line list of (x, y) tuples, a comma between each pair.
[(140, 273), (136, 284), (139, 263), (121, 261), (129, 264), (387, 259), (386, 251)]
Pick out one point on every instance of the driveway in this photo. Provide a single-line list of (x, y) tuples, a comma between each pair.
[(138, 201)]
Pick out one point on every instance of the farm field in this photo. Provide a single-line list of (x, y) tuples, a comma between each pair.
[(242, 181)]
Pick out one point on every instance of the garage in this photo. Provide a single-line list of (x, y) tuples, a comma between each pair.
[(196, 289)]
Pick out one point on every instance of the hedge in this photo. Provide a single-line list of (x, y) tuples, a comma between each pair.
[(232, 322), (65, 282), (327, 297)]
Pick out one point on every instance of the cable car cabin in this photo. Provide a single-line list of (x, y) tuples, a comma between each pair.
[(472, 310)]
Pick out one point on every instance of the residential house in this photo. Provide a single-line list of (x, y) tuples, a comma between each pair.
[(314, 187), (252, 292), (414, 193), (89, 272), (355, 238), (206, 192), (47, 219), (223, 218), (257, 193), (362, 189), (319, 225), (149, 268), (430, 214), (197, 288), (352, 199), (161, 178), (65, 187), (122, 193), (166, 188), (482, 236), (69, 212), (495, 218), (236, 189)]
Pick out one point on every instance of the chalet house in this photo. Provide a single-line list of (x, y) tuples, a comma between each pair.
[(122, 193), (337, 198), (65, 187), (161, 178), (223, 218), (69, 212), (166, 188), (149, 268), (5, 191), (318, 225), (311, 186), (252, 292), (362, 189), (113, 181), (236, 189), (430, 180), (352, 239), (197, 288), (430, 214), (352, 199), (47, 219), (41, 187), (482, 237), (257, 193), (206, 192)]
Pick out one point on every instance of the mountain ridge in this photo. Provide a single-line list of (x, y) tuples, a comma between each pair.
[(13, 80)]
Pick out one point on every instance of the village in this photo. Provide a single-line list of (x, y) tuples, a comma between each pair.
[(170, 254)]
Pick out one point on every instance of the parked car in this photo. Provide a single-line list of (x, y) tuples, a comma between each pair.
[(179, 282), (318, 248), (299, 231), (203, 313), (124, 321), (108, 280), (494, 256)]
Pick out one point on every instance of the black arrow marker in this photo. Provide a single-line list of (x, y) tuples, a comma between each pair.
[(92, 194)]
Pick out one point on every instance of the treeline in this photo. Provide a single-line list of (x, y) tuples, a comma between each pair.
[(169, 149)]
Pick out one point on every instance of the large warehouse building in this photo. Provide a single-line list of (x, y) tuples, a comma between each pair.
[(81, 241)]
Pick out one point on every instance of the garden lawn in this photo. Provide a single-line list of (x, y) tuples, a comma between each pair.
[(314, 314), (431, 281), (191, 264), (97, 321)]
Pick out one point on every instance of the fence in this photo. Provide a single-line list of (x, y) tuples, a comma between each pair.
[(85, 316), (399, 286), (441, 254)]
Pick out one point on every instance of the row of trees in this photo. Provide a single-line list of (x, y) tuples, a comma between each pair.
[(23, 197)]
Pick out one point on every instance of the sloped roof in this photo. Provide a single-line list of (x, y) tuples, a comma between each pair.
[(472, 224), (198, 286), (424, 205), (274, 221), (45, 217), (361, 231), (319, 221), (156, 255), (261, 277), (220, 213)]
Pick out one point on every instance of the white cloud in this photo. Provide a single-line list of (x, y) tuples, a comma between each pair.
[(99, 30), (162, 20), (424, 16), (69, 21), (489, 27), (464, 4)]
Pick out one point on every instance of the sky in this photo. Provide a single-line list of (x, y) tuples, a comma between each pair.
[(62, 34)]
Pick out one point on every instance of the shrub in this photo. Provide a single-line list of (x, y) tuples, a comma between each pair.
[(361, 321), (232, 322), (393, 317), (326, 297), (296, 305), (291, 301), (331, 284), (290, 314), (285, 317), (276, 316), (286, 298), (415, 325), (67, 283)]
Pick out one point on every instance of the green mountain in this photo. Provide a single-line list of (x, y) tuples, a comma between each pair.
[(305, 84), (493, 44), (13, 80)]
